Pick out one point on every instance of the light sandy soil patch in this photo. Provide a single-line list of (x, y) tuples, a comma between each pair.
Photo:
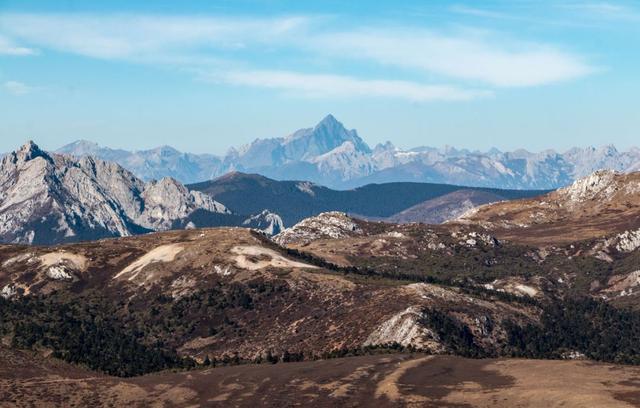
[(389, 386), (75, 261), (527, 290), (245, 255), (163, 253), (342, 387)]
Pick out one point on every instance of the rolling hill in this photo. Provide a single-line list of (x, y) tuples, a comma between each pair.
[(296, 200)]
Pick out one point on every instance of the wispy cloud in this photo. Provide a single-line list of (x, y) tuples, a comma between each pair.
[(136, 36), (8, 47), (322, 85), (478, 12), (605, 10), (473, 56), (17, 88), (434, 60)]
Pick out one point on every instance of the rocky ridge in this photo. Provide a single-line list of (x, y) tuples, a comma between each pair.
[(55, 198), (599, 205), (326, 225)]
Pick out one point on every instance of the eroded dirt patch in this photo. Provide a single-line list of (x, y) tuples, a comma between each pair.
[(256, 257)]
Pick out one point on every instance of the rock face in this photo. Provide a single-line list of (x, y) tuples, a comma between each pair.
[(601, 183), (328, 153), (326, 225), (49, 198), (405, 328), (268, 222), (627, 241)]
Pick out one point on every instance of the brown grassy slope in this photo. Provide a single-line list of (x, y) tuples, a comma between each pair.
[(384, 380), (593, 207), (222, 291)]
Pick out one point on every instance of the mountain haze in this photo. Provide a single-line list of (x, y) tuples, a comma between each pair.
[(329, 154), (157, 163)]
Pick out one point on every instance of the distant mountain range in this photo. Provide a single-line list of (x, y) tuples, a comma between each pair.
[(48, 198), (296, 200), (152, 164), (330, 155)]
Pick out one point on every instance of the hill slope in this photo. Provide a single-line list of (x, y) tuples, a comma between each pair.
[(383, 381), (444, 208), (592, 207), (296, 200)]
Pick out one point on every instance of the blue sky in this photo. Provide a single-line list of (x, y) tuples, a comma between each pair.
[(206, 75)]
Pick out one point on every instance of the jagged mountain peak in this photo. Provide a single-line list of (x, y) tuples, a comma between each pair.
[(165, 150), (330, 122), (328, 134), (386, 146), (30, 151), (320, 154), (151, 164), (67, 198), (267, 221)]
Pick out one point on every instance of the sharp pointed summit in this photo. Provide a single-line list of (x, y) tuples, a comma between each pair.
[(29, 151), (329, 121), (333, 155)]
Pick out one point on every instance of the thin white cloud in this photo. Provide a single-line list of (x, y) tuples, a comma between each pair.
[(477, 12), (17, 88), (137, 36), (321, 85), (473, 59), (471, 56), (605, 10), (8, 47)]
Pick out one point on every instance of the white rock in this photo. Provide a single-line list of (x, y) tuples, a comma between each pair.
[(58, 272), (267, 222), (8, 291), (326, 225), (404, 328)]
